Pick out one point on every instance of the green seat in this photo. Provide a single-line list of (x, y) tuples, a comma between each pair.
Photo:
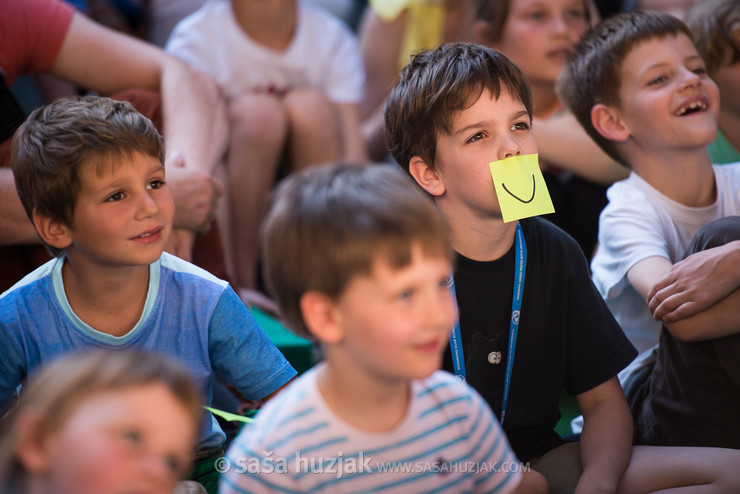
[(300, 352)]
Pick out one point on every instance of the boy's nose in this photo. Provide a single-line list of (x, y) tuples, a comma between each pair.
[(689, 78), (510, 149), (558, 25), (148, 206)]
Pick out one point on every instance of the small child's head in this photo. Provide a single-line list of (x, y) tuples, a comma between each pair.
[(101, 422), (438, 85), (57, 140), (715, 25), (535, 35), (359, 254), (640, 69)]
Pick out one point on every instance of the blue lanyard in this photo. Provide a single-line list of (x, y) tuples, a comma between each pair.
[(458, 360)]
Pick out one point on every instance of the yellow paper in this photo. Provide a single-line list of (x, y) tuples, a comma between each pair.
[(520, 187)]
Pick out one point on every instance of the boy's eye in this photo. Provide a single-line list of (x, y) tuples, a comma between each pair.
[(657, 80), (536, 15), (700, 71), (114, 197), (520, 126), (156, 184), (405, 295), (576, 14), (475, 137), (132, 436)]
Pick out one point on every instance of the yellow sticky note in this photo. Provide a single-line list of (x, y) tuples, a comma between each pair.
[(520, 187)]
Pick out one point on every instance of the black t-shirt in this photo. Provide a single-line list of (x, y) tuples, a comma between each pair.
[(567, 336)]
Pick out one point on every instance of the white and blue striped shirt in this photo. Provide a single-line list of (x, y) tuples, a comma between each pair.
[(449, 441)]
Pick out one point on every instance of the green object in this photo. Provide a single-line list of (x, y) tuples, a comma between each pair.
[(569, 410), (231, 417), (298, 351), (721, 151), (204, 472)]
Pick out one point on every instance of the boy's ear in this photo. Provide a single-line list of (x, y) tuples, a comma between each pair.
[(608, 123), (321, 317), (426, 177), (51, 231), (32, 445)]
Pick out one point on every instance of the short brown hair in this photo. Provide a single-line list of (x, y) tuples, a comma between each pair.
[(715, 25), (55, 140), (593, 73), (435, 86), (331, 223)]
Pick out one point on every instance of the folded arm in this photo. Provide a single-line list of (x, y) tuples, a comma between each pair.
[(718, 318)]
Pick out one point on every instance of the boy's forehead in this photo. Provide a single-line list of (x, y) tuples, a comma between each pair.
[(655, 52), (105, 165), (478, 109)]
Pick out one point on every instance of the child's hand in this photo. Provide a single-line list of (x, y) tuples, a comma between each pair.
[(696, 283)]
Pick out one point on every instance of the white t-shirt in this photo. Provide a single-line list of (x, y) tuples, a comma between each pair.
[(640, 222), (323, 54)]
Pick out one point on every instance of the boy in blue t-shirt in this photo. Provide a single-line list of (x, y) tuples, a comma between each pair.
[(90, 174)]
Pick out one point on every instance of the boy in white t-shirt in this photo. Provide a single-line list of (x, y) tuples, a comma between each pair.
[(293, 78), (658, 120)]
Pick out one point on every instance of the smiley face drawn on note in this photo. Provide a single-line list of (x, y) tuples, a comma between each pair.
[(534, 190), (520, 187)]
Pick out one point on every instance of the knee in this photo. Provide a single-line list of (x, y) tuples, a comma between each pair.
[(259, 118), (715, 234), (310, 109)]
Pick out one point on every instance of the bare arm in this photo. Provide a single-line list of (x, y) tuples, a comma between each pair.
[(647, 272), (563, 142), (105, 61), (14, 224), (696, 283), (606, 440), (380, 44)]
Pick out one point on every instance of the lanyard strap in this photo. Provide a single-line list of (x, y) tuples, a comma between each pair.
[(520, 270)]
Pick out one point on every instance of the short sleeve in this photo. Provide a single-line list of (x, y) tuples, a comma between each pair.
[(389, 10), (31, 35), (629, 231), (239, 348), (598, 348)]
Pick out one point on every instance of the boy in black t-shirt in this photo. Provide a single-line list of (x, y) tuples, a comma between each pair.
[(453, 112)]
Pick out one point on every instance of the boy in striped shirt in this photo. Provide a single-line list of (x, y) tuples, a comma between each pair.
[(359, 260)]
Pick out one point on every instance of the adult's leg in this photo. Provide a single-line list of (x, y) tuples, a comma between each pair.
[(315, 136), (258, 132)]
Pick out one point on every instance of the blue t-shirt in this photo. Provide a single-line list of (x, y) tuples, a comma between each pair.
[(189, 315)]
